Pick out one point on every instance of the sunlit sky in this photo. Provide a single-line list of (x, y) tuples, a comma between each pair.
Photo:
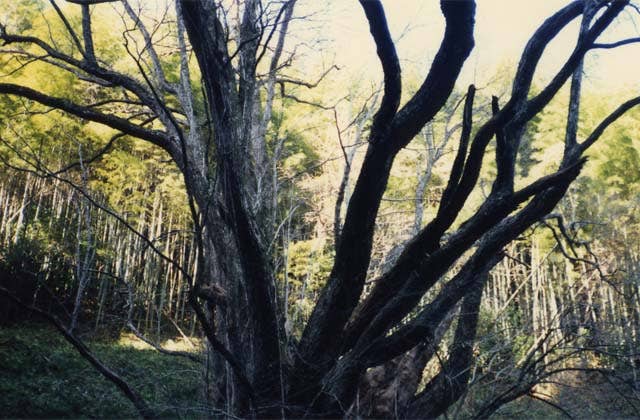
[(502, 30)]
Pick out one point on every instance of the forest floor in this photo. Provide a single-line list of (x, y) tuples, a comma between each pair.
[(595, 400), (42, 376)]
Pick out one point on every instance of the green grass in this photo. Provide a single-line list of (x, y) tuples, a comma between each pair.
[(42, 376), (583, 396)]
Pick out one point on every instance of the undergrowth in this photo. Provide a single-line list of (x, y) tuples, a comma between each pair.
[(41, 375)]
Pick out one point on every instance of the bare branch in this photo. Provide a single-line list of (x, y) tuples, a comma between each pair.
[(610, 119), (143, 409), (461, 154), (294, 98), (616, 44), (137, 333), (148, 46), (348, 276), (112, 77), (431, 96), (156, 137), (87, 35), (310, 85), (543, 398), (287, 10), (68, 26), (448, 386), (417, 271), (390, 66)]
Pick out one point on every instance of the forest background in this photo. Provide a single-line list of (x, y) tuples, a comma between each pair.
[(569, 288)]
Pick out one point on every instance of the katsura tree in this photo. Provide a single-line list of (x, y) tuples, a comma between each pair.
[(211, 115)]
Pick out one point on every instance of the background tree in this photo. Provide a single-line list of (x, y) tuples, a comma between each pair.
[(213, 116)]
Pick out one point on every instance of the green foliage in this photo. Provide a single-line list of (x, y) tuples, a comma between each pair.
[(308, 268), (308, 264), (27, 265), (528, 150), (497, 347), (44, 377), (23, 257), (26, 11), (298, 155), (620, 172), (21, 264), (296, 152)]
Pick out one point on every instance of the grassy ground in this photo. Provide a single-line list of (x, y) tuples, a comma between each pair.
[(582, 396), (41, 375)]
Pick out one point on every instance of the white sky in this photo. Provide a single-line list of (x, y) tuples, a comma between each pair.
[(502, 29)]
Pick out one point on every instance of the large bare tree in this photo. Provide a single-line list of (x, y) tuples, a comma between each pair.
[(220, 149)]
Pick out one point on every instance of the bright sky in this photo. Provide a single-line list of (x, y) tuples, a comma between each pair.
[(502, 29)]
